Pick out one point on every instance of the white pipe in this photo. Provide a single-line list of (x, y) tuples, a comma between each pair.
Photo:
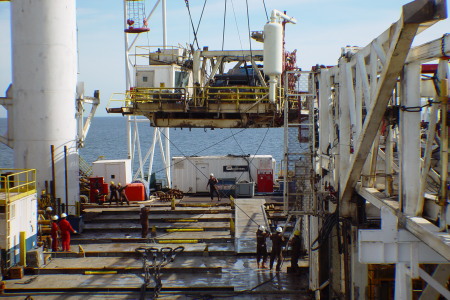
[(164, 12), (166, 130), (272, 88), (127, 82), (278, 14)]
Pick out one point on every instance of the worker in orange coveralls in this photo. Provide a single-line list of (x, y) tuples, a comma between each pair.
[(55, 233), (66, 229)]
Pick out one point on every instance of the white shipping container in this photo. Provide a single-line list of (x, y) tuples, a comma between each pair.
[(190, 174), (23, 217), (113, 170)]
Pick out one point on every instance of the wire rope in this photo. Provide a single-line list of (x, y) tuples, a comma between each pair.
[(201, 16), (262, 141), (224, 22), (242, 173), (192, 23), (237, 27), (265, 10), (249, 40)]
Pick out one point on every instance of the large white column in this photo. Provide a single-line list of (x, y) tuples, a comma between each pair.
[(410, 139), (324, 103), (44, 67)]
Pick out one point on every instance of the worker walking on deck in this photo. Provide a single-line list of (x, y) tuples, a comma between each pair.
[(277, 246), (122, 195), (212, 182), (113, 193), (55, 233), (66, 229), (296, 248), (143, 215), (261, 246)]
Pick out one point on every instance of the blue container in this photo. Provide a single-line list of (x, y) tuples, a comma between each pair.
[(226, 187), (76, 222)]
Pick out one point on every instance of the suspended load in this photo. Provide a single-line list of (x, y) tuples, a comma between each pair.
[(136, 20)]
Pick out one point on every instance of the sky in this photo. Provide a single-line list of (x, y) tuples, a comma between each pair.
[(323, 27)]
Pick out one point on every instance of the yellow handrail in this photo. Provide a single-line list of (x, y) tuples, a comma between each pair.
[(16, 182)]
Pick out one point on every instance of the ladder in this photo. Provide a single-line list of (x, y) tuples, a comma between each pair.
[(299, 196)]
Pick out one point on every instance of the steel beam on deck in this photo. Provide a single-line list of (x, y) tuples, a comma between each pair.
[(125, 270), (92, 290), (145, 240)]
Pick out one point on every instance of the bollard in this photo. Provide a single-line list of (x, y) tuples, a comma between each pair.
[(232, 202), (173, 203), (81, 252), (23, 248), (232, 229)]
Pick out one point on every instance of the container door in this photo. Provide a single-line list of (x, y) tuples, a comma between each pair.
[(265, 181), (202, 176)]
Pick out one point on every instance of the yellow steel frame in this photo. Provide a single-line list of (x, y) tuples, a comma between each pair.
[(24, 183), (199, 97)]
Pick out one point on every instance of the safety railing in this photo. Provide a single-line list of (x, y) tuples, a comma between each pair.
[(16, 183), (235, 94), (85, 167), (158, 94), (117, 101), (230, 94), (195, 96)]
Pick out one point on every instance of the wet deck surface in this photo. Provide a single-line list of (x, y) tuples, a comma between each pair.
[(249, 215), (214, 264)]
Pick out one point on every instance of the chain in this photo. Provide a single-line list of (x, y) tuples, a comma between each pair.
[(160, 258), (443, 44)]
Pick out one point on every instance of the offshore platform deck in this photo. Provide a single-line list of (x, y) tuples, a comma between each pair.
[(218, 256)]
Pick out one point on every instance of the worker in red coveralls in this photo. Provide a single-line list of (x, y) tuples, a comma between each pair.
[(55, 233), (66, 229)]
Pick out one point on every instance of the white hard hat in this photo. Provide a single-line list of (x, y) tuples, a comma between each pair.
[(211, 174), (49, 209), (63, 215), (55, 217), (262, 228), (279, 229), (142, 206)]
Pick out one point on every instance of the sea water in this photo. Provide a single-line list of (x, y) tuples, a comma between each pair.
[(107, 139)]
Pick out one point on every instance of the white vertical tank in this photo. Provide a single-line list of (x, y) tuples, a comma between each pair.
[(44, 85), (273, 49)]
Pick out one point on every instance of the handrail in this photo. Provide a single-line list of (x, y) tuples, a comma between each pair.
[(16, 182), (196, 96)]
